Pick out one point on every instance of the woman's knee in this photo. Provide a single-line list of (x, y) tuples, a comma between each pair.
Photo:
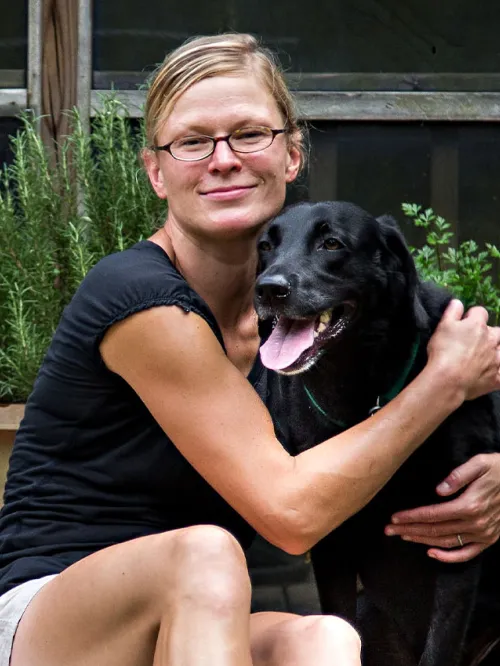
[(321, 639), (328, 629), (210, 567)]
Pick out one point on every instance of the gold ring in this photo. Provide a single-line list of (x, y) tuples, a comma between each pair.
[(460, 541)]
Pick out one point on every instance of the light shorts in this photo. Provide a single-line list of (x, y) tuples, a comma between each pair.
[(12, 606)]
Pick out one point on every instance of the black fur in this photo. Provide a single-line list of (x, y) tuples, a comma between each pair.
[(413, 610)]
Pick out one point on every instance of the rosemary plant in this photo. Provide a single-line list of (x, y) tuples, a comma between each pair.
[(56, 221)]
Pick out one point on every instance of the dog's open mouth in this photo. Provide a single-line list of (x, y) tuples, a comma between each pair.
[(296, 344)]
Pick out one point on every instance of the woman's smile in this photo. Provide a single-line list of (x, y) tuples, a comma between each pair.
[(228, 193)]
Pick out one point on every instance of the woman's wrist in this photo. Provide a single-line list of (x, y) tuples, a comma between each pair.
[(445, 384)]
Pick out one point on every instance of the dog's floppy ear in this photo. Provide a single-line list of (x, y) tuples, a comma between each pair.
[(396, 250), (400, 259)]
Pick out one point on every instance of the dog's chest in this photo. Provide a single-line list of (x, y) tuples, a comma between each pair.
[(301, 422), (305, 416)]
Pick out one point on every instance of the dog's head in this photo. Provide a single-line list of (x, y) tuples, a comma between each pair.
[(326, 269)]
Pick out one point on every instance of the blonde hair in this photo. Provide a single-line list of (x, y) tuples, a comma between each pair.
[(218, 55)]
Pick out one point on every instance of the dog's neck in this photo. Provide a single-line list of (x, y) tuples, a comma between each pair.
[(374, 362)]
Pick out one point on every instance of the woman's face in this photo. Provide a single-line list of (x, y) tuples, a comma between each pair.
[(227, 194)]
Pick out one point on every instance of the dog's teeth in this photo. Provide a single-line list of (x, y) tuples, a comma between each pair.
[(320, 328), (322, 323), (325, 317)]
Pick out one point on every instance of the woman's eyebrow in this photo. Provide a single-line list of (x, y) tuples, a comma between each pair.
[(202, 127)]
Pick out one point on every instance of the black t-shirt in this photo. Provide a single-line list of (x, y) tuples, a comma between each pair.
[(90, 466)]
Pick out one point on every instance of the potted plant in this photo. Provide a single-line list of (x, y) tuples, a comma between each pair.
[(57, 218)]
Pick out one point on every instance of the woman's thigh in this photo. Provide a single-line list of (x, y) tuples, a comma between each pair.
[(107, 609)]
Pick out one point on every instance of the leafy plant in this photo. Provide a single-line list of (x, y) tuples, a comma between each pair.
[(465, 270), (56, 221)]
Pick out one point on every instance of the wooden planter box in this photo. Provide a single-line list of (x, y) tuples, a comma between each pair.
[(10, 418)]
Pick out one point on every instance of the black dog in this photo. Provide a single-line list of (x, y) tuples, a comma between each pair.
[(352, 325)]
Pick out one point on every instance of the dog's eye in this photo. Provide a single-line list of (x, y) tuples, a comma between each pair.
[(331, 244), (264, 246)]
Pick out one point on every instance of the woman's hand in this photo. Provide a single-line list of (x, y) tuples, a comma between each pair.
[(467, 350), (474, 516)]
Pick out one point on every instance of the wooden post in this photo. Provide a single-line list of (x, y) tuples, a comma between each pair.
[(59, 66)]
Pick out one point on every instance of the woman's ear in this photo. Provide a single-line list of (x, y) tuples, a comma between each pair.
[(293, 163), (152, 165), (294, 157)]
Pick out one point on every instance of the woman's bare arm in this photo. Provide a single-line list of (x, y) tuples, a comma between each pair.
[(176, 365)]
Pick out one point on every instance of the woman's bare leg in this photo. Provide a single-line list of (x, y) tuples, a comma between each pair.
[(282, 639), (181, 598)]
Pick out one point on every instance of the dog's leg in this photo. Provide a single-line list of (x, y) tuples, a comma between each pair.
[(454, 600), (383, 643), (335, 571)]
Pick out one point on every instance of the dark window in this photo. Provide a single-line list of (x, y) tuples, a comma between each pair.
[(341, 36), (8, 127), (13, 44)]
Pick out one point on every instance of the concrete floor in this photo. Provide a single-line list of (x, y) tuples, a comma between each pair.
[(281, 582)]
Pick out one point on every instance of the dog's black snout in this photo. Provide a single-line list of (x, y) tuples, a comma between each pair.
[(272, 287)]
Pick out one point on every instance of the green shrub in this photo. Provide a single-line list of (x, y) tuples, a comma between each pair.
[(466, 270), (56, 221)]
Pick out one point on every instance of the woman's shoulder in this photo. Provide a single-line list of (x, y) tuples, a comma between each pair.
[(133, 280), (140, 273), (142, 260)]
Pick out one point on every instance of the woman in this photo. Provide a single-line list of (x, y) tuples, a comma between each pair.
[(155, 349)]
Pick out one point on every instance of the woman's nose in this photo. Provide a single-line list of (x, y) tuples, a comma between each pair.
[(223, 158)]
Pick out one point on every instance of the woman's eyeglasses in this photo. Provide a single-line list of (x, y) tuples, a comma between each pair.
[(199, 146)]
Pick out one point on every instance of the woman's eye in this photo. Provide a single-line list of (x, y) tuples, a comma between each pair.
[(251, 134), (332, 244), (264, 246), (192, 141)]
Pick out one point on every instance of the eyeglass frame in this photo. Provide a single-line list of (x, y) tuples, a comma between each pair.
[(215, 141)]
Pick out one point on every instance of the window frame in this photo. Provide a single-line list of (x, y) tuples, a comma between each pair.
[(15, 100), (359, 97)]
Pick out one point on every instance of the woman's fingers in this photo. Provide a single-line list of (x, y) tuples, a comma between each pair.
[(476, 312), (431, 514), (430, 533), (468, 552), (463, 475), (447, 541), (454, 310), (466, 350), (472, 519)]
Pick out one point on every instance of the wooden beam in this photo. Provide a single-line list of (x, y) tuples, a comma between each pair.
[(398, 106), (365, 106)]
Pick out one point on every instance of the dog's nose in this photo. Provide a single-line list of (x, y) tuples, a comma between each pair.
[(272, 287)]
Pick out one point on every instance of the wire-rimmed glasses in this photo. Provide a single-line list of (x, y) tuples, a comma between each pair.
[(199, 146)]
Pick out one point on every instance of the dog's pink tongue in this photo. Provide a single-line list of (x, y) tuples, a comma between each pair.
[(286, 343)]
